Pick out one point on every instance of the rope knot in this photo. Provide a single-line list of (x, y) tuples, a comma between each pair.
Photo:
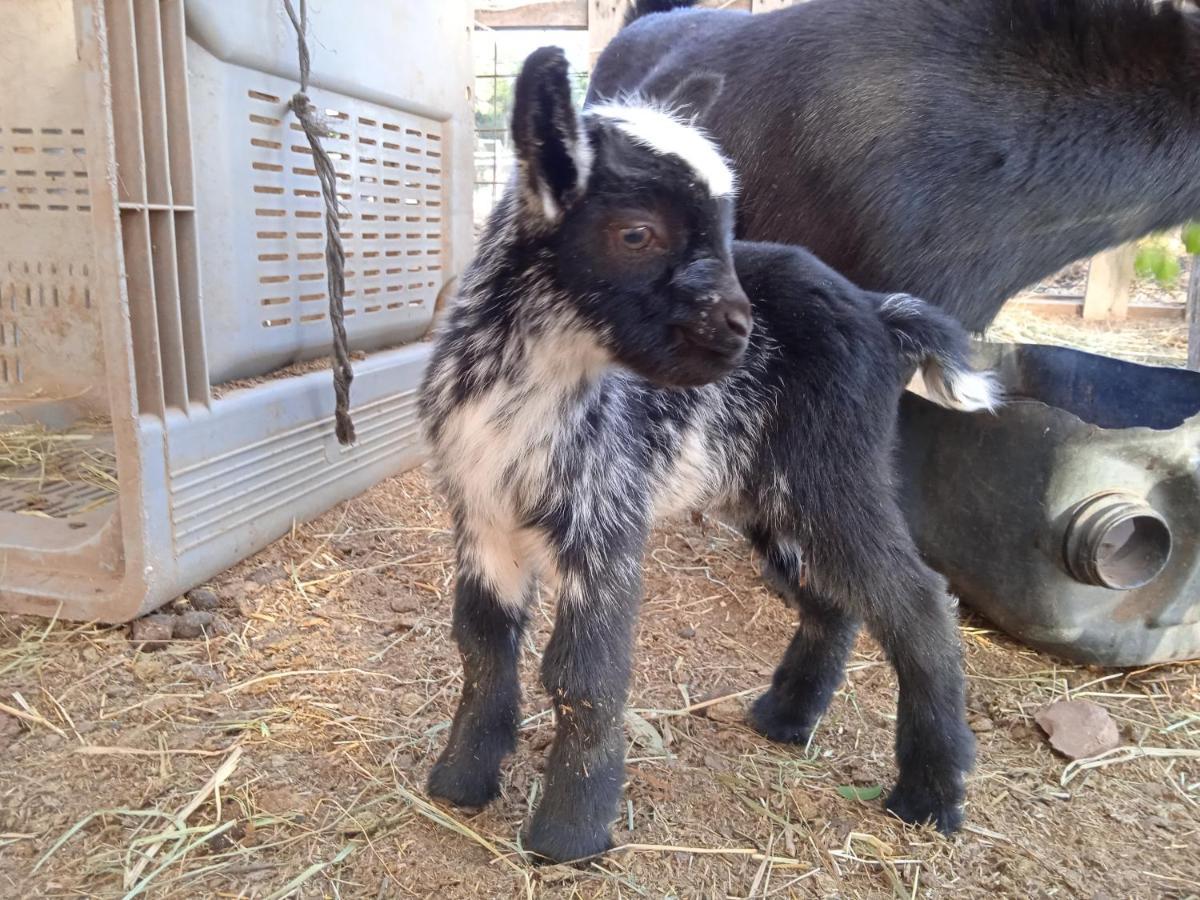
[(300, 104), (309, 115)]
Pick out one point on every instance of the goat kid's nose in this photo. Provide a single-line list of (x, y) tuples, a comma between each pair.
[(737, 320), (735, 310)]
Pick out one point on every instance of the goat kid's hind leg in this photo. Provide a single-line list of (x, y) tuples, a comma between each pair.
[(585, 670), (812, 666), (934, 747), (489, 618), (866, 558)]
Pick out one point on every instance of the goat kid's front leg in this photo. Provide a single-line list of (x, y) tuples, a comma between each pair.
[(812, 668), (586, 672), (489, 617)]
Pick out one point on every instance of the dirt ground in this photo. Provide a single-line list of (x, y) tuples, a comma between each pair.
[(288, 754), (1146, 289), (1152, 341), (283, 751)]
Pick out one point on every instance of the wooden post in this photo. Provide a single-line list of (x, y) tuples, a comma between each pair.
[(605, 17), (1109, 278), (604, 21), (1193, 315), (533, 14)]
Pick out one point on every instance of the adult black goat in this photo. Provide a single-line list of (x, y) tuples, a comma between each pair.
[(959, 150), (601, 368)]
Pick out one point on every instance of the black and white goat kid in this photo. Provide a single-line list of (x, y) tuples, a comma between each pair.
[(600, 369)]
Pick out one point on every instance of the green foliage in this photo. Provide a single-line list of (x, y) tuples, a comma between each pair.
[(493, 103), (1191, 238), (1156, 261), (865, 794)]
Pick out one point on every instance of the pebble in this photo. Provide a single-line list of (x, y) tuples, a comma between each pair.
[(404, 604), (152, 632), (193, 624), (267, 575), (981, 724), (207, 674), (714, 763), (404, 762), (806, 807), (859, 775), (10, 729), (203, 599), (1021, 732), (404, 623), (410, 703), (250, 588), (729, 712)]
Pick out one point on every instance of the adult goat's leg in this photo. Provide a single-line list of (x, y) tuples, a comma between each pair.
[(489, 617), (585, 670), (812, 665), (864, 557)]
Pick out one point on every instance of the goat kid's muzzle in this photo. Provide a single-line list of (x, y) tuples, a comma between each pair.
[(714, 312), (720, 324)]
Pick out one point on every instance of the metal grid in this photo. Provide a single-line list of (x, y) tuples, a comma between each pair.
[(498, 59)]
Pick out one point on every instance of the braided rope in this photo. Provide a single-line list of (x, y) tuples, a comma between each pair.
[(335, 254)]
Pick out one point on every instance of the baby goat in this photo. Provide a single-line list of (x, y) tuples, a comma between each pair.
[(601, 369)]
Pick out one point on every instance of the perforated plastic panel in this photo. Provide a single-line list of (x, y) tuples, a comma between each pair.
[(45, 222), (76, 485), (262, 227), (39, 300), (161, 231)]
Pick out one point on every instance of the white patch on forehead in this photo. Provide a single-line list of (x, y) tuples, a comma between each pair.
[(671, 136)]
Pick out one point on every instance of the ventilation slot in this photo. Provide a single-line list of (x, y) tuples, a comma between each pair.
[(372, 148), (10, 360)]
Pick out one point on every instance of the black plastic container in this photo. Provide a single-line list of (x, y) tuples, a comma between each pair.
[(1071, 517)]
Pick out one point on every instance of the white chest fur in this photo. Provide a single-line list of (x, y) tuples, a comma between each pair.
[(495, 454)]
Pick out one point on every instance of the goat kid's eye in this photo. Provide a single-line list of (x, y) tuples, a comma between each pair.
[(637, 238)]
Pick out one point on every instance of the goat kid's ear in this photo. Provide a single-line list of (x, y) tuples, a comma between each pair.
[(553, 154), (693, 97)]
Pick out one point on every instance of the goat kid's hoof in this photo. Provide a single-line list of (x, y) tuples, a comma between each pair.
[(767, 719), (919, 806), (461, 785), (550, 842)]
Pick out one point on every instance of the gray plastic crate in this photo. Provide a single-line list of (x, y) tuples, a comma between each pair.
[(161, 234)]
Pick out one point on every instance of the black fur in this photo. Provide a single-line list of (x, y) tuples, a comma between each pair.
[(641, 8), (575, 395), (959, 150), (484, 730)]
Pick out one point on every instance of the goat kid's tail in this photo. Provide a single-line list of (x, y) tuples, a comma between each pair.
[(640, 8), (933, 340)]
